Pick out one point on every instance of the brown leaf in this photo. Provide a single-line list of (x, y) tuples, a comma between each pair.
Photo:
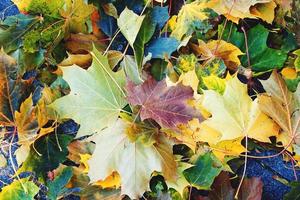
[(81, 43), (221, 188), (251, 189), (282, 106)]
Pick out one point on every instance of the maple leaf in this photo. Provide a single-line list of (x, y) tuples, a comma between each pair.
[(186, 16), (134, 161), (283, 106), (219, 49), (166, 105), (76, 13), (235, 115), (240, 9), (194, 132), (96, 93)]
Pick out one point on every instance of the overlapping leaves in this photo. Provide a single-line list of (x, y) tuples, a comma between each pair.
[(161, 97)]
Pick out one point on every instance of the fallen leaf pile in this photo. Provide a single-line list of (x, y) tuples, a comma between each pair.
[(147, 99)]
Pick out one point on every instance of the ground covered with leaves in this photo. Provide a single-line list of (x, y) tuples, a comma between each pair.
[(140, 99)]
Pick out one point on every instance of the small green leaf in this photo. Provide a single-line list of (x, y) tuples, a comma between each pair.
[(144, 35), (202, 175)]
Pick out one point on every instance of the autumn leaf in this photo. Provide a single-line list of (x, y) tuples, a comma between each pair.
[(126, 20), (236, 108), (46, 155), (251, 189), (293, 194), (82, 60), (236, 10), (262, 58), (190, 79), (112, 181), (221, 188), (20, 189), (26, 120), (12, 87), (115, 152), (76, 13), (162, 47), (219, 49), (180, 183), (206, 168), (57, 186), (166, 105), (283, 106), (22, 4), (189, 13), (96, 92), (137, 99), (229, 148), (27, 128)]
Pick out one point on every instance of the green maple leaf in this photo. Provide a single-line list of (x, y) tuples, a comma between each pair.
[(96, 96)]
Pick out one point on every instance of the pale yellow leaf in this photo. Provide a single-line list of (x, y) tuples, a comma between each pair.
[(235, 115)]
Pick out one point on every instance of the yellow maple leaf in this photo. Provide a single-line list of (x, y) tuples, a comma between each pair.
[(235, 115), (114, 151), (219, 49), (186, 16), (240, 9)]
